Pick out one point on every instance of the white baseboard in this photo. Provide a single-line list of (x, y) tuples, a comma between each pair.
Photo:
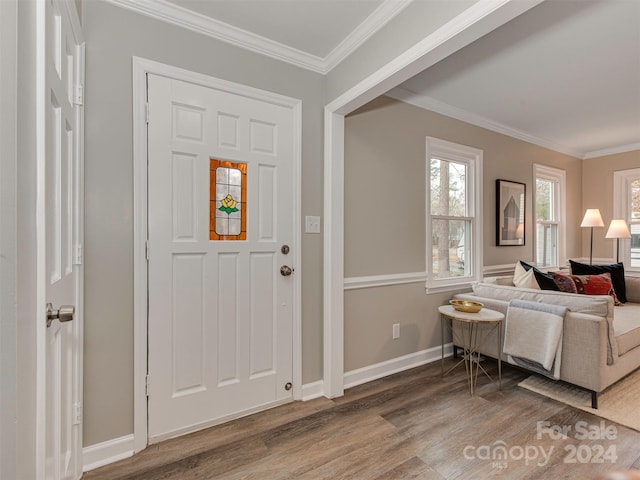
[(312, 390), (395, 365), (104, 453), (379, 370)]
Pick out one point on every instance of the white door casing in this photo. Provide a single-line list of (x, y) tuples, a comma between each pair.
[(60, 56), (221, 315)]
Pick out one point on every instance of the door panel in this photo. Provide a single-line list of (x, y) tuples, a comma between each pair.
[(221, 203), (60, 203)]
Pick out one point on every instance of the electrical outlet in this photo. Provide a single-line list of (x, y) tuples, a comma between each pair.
[(396, 331)]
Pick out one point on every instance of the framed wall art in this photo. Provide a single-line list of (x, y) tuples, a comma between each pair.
[(510, 213)]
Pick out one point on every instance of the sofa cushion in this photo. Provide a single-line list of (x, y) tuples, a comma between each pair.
[(593, 305), (565, 283), (524, 278), (595, 285), (545, 281), (617, 275), (627, 327), (632, 286), (599, 305)]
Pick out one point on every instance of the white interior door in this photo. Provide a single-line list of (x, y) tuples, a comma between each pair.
[(59, 175), (220, 212)]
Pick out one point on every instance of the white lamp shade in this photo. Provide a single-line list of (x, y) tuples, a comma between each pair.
[(592, 218), (618, 229)]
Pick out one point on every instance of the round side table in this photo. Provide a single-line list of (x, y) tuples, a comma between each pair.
[(472, 341)]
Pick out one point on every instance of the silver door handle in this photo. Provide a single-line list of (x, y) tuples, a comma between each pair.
[(65, 313), (286, 270)]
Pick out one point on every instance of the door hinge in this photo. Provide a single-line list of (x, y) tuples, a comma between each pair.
[(146, 249), (78, 95), (146, 112), (77, 256), (77, 413), (147, 385)]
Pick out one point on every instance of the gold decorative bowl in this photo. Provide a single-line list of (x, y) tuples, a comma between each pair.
[(466, 306)]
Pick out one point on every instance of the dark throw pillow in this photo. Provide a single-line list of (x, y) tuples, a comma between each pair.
[(615, 269), (545, 281)]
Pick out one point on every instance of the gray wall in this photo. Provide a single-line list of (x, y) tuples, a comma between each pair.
[(113, 37), (8, 247), (413, 24), (382, 131), (597, 192), (385, 218)]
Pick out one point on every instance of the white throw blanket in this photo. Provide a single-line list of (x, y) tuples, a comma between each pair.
[(533, 336)]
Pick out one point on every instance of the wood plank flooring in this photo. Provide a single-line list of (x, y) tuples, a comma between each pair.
[(412, 425)]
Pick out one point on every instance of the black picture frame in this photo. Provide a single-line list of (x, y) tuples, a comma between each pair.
[(510, 213)]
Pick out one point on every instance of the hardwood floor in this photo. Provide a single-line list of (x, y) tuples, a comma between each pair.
[(414, 424)]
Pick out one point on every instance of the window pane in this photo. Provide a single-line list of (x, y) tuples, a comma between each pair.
[(545, 205), (227, 200), (635, 245), (635, 199), (546, 244), (448, 188), (451, 248)]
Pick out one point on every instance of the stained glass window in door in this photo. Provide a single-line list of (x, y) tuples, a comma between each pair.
[(228, 200)]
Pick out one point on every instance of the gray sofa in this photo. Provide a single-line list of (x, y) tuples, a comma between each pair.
[(601, 342)]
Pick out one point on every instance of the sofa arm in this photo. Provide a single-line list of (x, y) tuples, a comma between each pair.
[(584, 350), (633, 289)]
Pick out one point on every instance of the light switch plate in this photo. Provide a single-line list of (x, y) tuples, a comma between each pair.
[(312, 224)]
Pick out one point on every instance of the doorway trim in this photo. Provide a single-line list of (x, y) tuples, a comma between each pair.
[(478, 20), (141, 67)]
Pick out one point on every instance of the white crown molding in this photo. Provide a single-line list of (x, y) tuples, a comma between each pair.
[(612, 151), (182, 17), (196, 22), (428, 103), (382, 15)]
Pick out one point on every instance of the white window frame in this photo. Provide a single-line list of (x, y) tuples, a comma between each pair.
[(559, 177), (622, 180), (472, 157)]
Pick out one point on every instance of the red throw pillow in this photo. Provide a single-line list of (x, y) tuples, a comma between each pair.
[(564, 282), (595, 285)]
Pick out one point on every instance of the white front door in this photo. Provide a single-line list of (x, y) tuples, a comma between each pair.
[(60, 206), (221, 239)]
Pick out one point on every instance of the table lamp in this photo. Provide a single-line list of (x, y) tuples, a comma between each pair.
[(618, 229), (592, 218)]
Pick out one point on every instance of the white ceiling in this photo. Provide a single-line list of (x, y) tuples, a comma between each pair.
[(565, 75), (313, 26)]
